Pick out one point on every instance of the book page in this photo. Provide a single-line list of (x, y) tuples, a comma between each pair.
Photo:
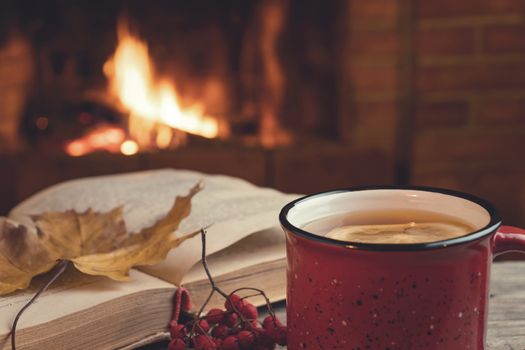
[(71, 292), (260, 247), (219, 236), (234, 208), (148, 195)]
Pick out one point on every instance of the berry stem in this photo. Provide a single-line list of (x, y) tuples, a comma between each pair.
[(201, 310), (206, 269), (214, 286), (251, 295), (57, 271), (261, 293)]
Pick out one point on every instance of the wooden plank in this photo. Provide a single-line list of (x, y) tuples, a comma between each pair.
[(506, 329)]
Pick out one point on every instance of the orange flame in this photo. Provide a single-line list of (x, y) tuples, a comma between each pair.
[(152, 103), (109, 138), (156, 117)]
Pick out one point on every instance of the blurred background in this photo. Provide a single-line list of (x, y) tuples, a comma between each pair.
[(300, 95)]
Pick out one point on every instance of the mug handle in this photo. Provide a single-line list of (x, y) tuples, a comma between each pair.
[(508, 239)]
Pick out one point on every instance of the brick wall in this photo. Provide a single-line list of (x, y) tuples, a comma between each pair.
[(470, 99), (370, 74), (440, 85)]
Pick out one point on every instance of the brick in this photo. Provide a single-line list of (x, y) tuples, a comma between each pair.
[(448, 78), (373, 78), (455, 8), (507, 39), (376, 115), (441, 180), (34, 171), (377, 10), (54, 168), (504, 75), (317, 99), (376, 126), (244, 162), (441, 114), (95, 164), (503, 112), (371, 125), (7, 178), (374, 43), (471, 76), (506, 191), (455, 41), (468, 146), (319, 167), (247, 163), (501, 182), (377, 140)]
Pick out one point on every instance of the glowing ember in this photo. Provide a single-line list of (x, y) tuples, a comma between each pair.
[(129, 147), (103, 137)]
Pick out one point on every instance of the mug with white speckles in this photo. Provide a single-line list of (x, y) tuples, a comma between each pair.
[(357, 296)]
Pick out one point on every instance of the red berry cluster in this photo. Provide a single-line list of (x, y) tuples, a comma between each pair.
[(235, 328)]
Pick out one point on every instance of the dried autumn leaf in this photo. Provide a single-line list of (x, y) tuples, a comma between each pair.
[(22, 256), (149, 246), (70, 234), (96, 243)]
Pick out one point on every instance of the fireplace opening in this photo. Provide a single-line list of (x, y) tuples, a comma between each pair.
[(145, 77)]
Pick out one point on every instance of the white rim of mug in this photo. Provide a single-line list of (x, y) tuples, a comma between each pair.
[(489, 228)]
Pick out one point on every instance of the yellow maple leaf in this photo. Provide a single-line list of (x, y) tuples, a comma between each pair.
[(96, 243)]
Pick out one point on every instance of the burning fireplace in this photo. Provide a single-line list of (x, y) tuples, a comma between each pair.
[(155, 117), (138, 99), (205, 86), (341, 92)]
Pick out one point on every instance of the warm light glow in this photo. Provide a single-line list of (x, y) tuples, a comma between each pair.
[(129, 147), (156, 118), (42, 123), (153, 104), (76, 148), (104, 137), (164, 136)]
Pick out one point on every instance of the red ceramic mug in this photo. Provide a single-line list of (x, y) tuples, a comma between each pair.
[(344, 295)]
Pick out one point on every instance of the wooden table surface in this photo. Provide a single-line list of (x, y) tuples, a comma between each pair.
[(506, 329), (506, 325)]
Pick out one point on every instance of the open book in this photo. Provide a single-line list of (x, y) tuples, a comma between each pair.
[(245, 247)]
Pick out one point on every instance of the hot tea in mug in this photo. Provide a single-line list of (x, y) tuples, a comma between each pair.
[(391, 268), (390, 226)]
